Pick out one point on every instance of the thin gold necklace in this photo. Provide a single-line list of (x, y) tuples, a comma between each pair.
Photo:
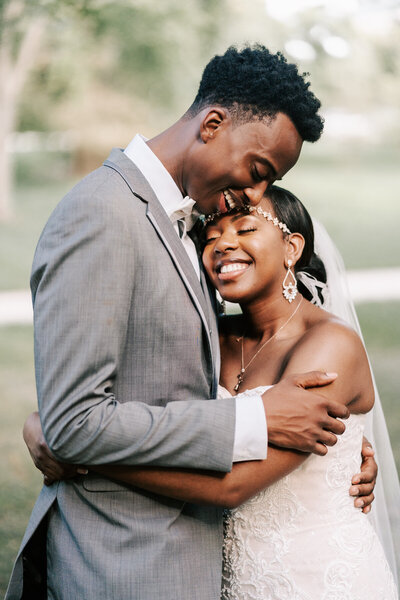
[(240, 375)]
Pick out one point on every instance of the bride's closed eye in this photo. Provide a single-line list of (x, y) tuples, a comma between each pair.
[(211, 238), (247, 229)]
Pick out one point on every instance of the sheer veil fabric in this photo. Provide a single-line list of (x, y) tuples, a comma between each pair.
[(385, 513)]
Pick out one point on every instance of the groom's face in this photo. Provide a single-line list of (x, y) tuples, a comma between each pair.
[(236, 163)]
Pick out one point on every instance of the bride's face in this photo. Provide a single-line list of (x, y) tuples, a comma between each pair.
[(244, 256)]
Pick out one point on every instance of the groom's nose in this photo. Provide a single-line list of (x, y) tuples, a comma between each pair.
[(255, 193)]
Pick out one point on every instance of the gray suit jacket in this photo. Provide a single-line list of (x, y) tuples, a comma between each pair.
[(127, 361)]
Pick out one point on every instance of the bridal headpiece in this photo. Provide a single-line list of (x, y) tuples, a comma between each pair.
[(250, 209)]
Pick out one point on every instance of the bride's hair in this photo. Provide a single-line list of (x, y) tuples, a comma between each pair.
[(291, 211)]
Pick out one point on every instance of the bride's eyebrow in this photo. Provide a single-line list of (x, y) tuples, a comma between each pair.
[(240, 216), (233, 219)]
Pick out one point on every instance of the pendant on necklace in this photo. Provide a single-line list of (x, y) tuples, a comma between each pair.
[(239, 379)]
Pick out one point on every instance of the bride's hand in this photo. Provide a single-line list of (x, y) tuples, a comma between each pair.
[(42, 457), (364, 482)]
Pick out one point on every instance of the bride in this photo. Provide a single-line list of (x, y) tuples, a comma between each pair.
[(292, 531)]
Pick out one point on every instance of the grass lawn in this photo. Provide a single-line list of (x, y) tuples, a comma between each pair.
[(18, 237), (354, 193), (19, 480)]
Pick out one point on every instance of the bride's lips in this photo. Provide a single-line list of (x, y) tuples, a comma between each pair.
[(232, 269)]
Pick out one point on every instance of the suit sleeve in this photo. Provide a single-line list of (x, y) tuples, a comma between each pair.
[(82, 281)]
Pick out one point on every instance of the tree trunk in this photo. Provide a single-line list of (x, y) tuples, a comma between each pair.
[(13, 74), (6, 175), (7, 116)]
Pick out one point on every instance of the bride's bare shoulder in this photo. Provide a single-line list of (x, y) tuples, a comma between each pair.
[(330, 344), (328, 329), (329, 336)]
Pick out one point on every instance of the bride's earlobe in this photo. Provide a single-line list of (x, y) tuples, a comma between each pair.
[(295, 248)]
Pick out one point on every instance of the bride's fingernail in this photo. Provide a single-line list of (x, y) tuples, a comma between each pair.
[(354, 491), (359, 503), (331, 374)]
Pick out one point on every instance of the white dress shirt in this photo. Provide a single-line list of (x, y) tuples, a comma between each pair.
[(251, 429)]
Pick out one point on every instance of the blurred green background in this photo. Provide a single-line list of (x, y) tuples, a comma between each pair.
[(80, 77)]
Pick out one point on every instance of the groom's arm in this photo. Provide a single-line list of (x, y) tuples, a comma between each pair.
[(82, 282)]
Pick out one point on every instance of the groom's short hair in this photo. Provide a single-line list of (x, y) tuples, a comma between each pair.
[(253, 83)]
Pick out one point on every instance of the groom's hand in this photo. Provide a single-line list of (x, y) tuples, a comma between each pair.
[(363, 484), (300, 419), (42, 457)]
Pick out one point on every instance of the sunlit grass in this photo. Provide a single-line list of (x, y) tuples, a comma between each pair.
[(354, 192), (18, 237), (19, 480)]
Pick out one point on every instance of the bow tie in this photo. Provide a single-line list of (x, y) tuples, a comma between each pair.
[(185, 214)]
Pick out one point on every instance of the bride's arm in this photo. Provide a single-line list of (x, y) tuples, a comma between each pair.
[(201, 487)]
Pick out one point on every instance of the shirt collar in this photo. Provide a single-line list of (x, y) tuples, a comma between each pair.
[(161, 182)]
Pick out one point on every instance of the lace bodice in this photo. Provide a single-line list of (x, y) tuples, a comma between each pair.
[(302, 538)]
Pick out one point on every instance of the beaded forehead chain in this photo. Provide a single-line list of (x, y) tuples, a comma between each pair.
[(263, 213)]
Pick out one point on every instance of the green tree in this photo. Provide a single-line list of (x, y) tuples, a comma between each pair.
[(23, 31), (56, 53)]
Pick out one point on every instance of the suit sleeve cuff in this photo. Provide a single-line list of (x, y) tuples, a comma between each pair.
[(251, 435)]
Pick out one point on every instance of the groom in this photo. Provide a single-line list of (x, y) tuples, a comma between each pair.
[(126, 344)]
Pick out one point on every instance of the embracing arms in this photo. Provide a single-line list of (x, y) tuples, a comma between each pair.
[(245, 480), (353, 387)]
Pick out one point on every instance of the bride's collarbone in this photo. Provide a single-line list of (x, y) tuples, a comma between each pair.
[(266, 369)]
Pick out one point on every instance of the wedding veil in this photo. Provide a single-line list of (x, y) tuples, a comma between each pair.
[(385, 513)]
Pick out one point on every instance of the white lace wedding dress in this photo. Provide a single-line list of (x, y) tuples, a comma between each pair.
[(302, 538)]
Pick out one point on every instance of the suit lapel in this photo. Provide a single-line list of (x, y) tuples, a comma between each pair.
[(209, 293), (168, 237)]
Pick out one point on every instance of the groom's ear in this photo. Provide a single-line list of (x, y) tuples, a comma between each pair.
[(215, 120)]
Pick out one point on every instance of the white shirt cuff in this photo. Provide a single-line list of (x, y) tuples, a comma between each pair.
[(251, 436)]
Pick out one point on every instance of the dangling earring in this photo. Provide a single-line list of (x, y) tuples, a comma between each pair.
[(289, 289)]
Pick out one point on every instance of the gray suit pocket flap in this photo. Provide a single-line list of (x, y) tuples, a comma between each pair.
[(96, 483)]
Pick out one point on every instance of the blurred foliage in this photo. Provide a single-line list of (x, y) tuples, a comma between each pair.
[(341, 189), (107, 69), (20, 482), (108, 52), (368, 77)]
